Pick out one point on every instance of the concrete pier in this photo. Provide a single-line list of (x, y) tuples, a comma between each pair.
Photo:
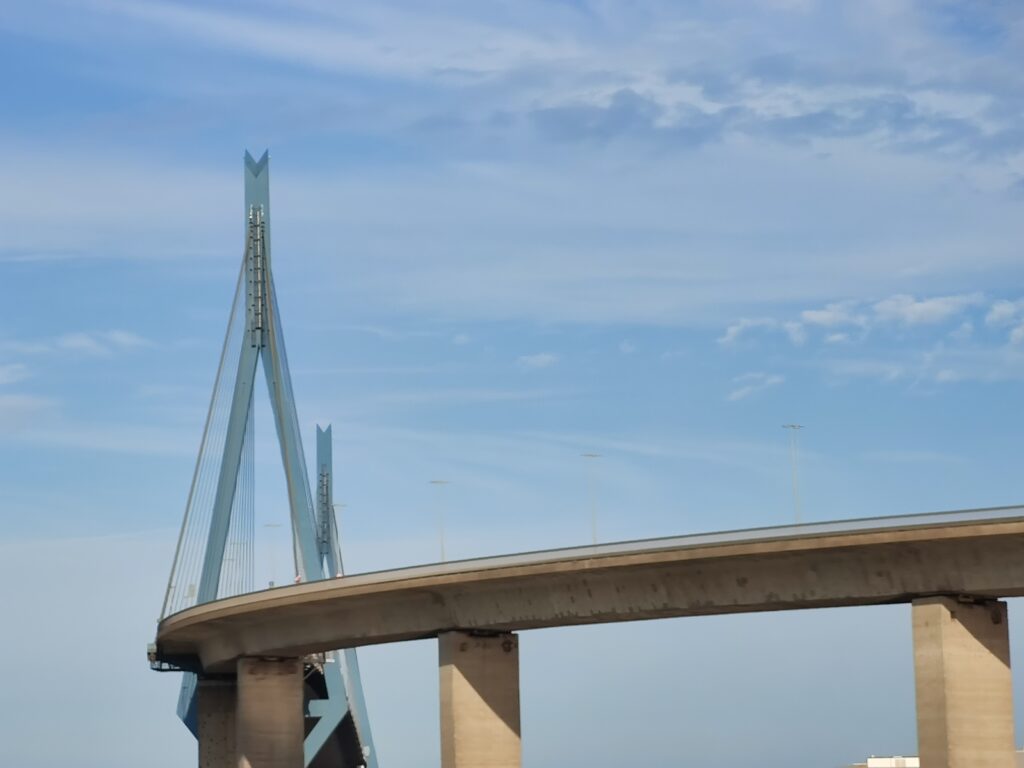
[(479, 700), (215, 718), (964, 691), (269, 722)]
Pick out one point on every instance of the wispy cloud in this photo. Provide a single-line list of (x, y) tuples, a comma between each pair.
[(1005, 313), (131, 439), (834, 314), (90, 343), (101, 344), (18, 410), (346, 39), (871, 368), (903, 308), (793, 330), (13, 372), (738, 329), (847, 321), (538, 360), (897, 456), (939, 363), (460, 396), (752, 383), (963, 332), (388, 333)]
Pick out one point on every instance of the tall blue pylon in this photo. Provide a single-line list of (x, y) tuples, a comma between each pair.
[(214, 557)]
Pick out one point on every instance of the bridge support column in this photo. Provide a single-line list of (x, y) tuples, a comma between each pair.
[(215, 718), (269, 726), (479, 700), (964, 691)]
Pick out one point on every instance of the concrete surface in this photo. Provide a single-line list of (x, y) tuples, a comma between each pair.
[(962, 678), (269, 721), (479, 679), (215, 715), (688, 576)]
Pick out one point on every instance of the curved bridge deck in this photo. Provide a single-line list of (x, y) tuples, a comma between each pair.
[(975, 553)]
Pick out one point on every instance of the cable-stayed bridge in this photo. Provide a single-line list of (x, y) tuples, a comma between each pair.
[(214, 558), (265, 685)]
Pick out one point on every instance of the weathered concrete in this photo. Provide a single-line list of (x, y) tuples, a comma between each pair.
[(479, 700), (964, 691), (269, 726), (626, 582), (215, 718)]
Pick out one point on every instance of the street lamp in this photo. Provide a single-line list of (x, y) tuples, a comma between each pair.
[(273, 569), (794, 432), (440, 512)]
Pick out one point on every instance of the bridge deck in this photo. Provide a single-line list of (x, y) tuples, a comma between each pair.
[(976, 553)]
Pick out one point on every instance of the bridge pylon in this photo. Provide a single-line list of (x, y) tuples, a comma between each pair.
[(214, 556)]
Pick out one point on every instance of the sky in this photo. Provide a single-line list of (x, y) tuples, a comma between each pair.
[(504, 235)]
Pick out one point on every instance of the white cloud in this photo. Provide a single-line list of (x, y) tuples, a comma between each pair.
[(964, 332), (14, 346), (1003, 313), (751, 383), (539, 360), (13, 372), (101, 344), (461, 396), (82, 342), (461, 339), (885, 370), (342, 38), (904, 308), (125, 339), (940, 364), (849, 321), (738, 328), (626, 347), (834, 314), (902, 456), (796, 332), (16, 410)]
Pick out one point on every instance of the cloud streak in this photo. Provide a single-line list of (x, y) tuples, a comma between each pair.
[(537, 361), (752, 383)]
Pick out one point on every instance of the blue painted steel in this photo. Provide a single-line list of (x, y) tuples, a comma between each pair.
[(287, 422), (327, 530), (341, 666), (231, 459), (314, 528)]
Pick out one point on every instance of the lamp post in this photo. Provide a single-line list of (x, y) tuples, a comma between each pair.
[(794, 432), (440, 512), (273, 560)]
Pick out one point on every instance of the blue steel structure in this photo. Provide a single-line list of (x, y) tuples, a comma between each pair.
[(214, 557)]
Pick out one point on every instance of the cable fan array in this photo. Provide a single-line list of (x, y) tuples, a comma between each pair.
[(236, 574)]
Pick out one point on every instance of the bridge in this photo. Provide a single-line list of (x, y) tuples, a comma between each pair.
[(249, 656)]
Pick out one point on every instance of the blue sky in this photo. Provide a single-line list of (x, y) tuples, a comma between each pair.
[(506, 234)]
